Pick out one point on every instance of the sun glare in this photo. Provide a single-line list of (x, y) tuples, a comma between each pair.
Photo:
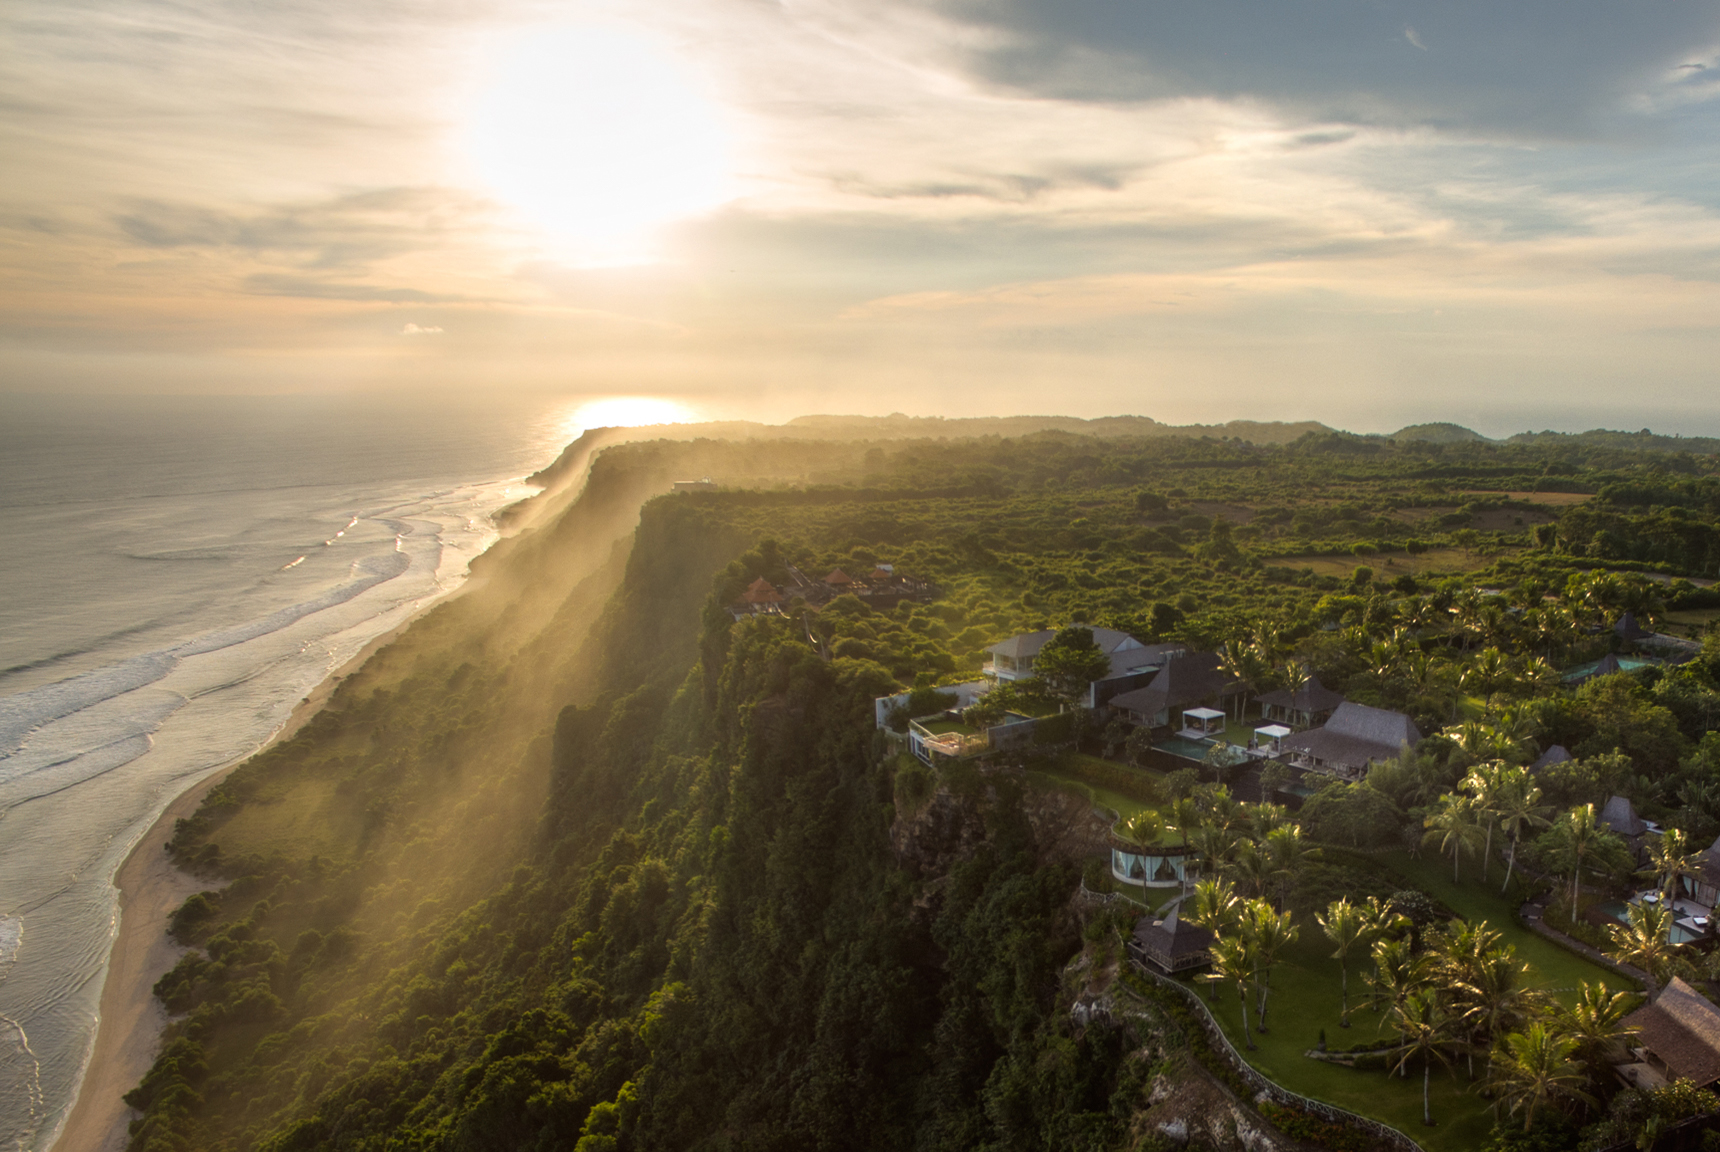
[(626, 412), (599, 135)]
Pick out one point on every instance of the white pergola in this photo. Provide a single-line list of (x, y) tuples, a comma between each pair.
[(1198, 723), (1271, 734)]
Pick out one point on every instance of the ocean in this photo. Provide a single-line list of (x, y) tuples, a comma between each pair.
[(177, 573)]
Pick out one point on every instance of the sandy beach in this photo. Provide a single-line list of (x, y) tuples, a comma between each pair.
[(150, 889)]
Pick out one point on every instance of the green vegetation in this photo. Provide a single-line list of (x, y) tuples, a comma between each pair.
[(581, 861)]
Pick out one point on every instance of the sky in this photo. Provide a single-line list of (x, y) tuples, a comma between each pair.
[(1367, 213)]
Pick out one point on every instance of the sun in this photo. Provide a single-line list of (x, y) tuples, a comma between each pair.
[(626, 412), (599, 135)]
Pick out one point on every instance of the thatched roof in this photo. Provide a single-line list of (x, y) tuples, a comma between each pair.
[(1554, 755), (1310, 696), (1682, 1029), (1127, 660), (762, 591), (1620, 816), (1357, 735), (1172, 944), (838, 576), (1628, 629), (1186, 680)]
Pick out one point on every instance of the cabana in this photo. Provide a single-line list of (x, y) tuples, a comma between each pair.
[(1266, 741), (1205, 722)]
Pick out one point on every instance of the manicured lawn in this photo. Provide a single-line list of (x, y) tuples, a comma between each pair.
[(1305, 999)]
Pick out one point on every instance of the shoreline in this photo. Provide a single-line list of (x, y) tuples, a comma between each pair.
[(151, 888)]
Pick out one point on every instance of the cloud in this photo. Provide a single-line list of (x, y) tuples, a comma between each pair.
[(1410, 35), (414, 330), (276, 284)]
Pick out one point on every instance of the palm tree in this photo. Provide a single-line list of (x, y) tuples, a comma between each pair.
[(1269, 933), (1398, 974), (1232, 960), (1143, 830), (1581, 832), (1252, 868), (1425, 1029), (1265, 817), (1493, 999), (1344, 926), (1643, 940), (1288, 853), (1596, 1022), (1537, 1069), (1486, 782), (1212, 905), (1670, 860), (1520, 808), (1453, 826), (1213, 845)]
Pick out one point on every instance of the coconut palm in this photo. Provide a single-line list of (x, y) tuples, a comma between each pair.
[(1453, 826), (1596, 1022), (1143, 830), (1288, 854), (1493, 999), (1213, 905), (1398, 974), (1264, 818), (1213, 845), (1536, 1069), (1252, 869), (1670, 860), (1580, 833), (1269, 933), (1426, 1031), (1487, 783), (1233, 962), (1520, 809), (1345, 927), (1643, 939)]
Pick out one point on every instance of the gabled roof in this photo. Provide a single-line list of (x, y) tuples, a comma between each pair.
[(1554, 755), (1185, 680), (1683, 1030), (1028, 644), (1620, 816), (1357, 735), (761, 591), (1310, 696), (1127, 660), (1628, 629)]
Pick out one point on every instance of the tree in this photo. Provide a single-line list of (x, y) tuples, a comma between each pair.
[(1536, 1069), (1519, 808), (1398, 974), (1252, 868), (1233, 961), (1452, 825), (1070, 661), (1576, 838), (1143, 830), (1425, 1029), (1273, 776), (1269, 933), (1643, 939), (1344, 927), (1288, 853), (1489, 783), (1670, 860), (1596, 1021)]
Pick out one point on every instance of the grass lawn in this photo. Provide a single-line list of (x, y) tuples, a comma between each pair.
[(1305, 999), (1123, 806)]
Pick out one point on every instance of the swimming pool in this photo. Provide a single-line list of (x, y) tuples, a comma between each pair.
[(1187, 749), (1618, 910)]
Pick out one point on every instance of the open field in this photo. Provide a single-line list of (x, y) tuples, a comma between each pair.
[(1551, 499), (1386, 564)]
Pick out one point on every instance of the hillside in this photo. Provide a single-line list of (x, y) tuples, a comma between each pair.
[(582, 860)]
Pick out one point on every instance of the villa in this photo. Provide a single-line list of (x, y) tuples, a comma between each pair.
[(1171, 945), (1678, 1038), (1304, 706), (1012, 659), (1190, 681), (1355, 737)]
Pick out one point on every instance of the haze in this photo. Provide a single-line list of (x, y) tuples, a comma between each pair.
[(1366, 213)]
